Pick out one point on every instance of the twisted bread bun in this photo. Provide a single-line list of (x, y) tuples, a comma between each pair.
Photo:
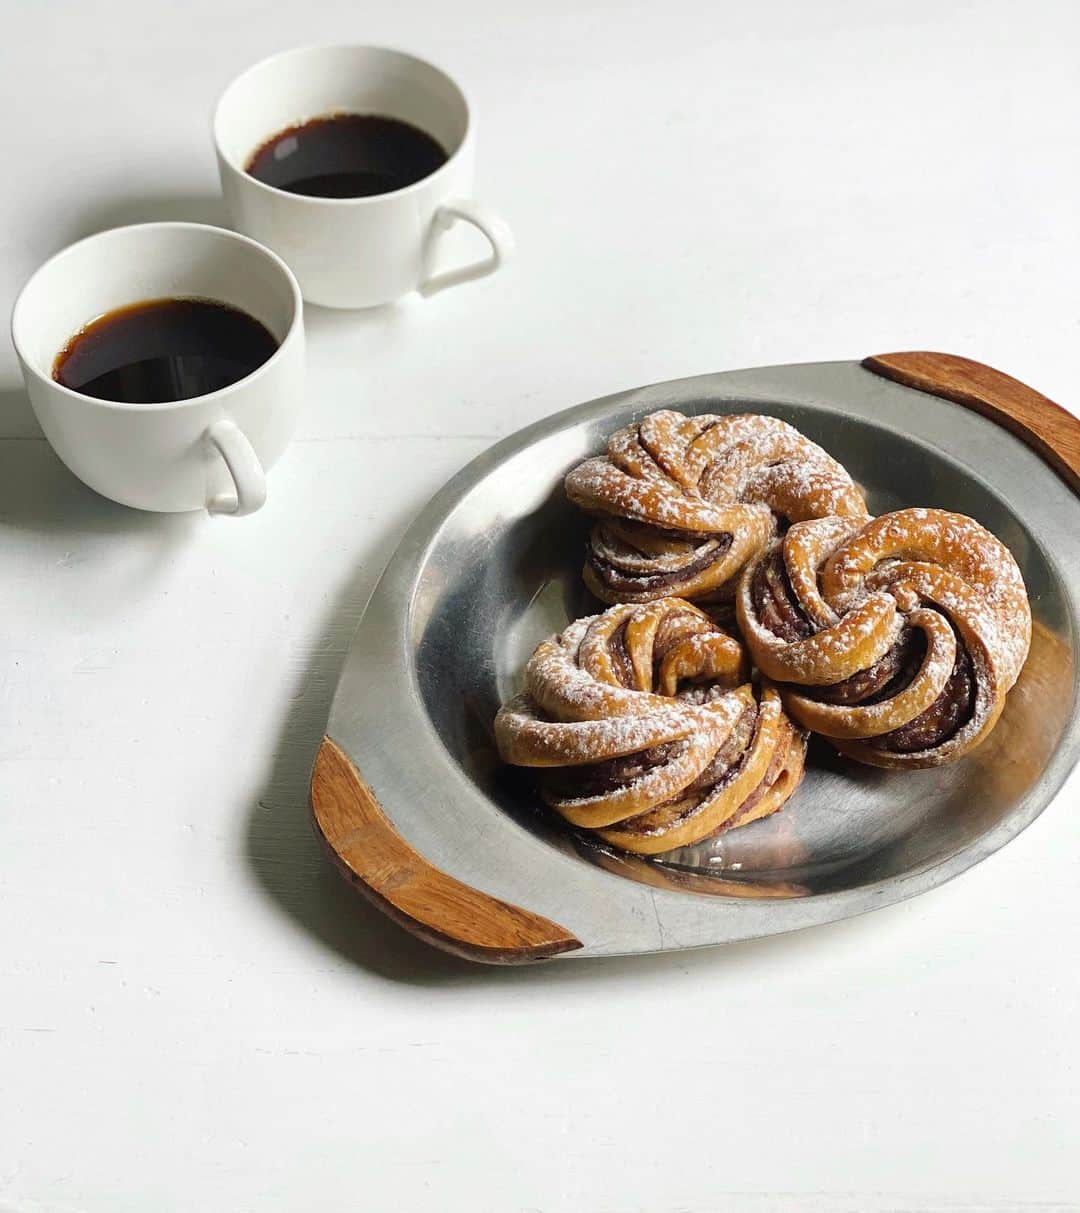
[(898, 638), (685, 502), (648, 730)]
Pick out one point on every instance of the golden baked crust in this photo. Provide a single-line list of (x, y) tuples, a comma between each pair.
[(648, 729), (684, 502), (897, 638)]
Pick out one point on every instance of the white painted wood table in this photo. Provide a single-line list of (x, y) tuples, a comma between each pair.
[(194, 1012)]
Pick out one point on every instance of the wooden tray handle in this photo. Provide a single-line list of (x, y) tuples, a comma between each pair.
[(1045, 426), (426, 901)]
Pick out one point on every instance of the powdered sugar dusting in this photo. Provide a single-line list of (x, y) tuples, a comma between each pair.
[(640, 751), (705, 476), (900, 570)]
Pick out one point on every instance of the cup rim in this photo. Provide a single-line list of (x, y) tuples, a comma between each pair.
[(364, 200), (292, 334)]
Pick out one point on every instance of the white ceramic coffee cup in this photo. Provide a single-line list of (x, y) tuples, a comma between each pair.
[(207, 452), (355, 252)]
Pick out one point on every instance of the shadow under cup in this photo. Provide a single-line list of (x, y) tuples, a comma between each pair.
[(159, 456)]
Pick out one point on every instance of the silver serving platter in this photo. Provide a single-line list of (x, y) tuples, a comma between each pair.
[(492, 566)]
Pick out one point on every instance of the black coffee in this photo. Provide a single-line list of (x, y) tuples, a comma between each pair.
[(346, 156), (163, 349)]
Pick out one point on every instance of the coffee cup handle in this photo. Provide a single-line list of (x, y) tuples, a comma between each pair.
[(495, 230), (248, 477)]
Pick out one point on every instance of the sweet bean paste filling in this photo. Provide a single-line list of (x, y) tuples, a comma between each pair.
[(730, 757), (775, 770), (943, 718), (774, 601), (706, 785), (618, 578), (603, 778), (665, 638), (887, 677), (620, 657)]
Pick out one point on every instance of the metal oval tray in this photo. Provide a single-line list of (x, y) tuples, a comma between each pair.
[(408, 792)]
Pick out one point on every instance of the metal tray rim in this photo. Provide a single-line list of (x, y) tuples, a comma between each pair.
[(389, 617)]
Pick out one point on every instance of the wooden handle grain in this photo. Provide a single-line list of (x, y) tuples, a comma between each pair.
[(1045, 426), (403, 884)]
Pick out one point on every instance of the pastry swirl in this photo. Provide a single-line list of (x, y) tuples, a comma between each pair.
[(648, 730), (897, 638), (685, 502)]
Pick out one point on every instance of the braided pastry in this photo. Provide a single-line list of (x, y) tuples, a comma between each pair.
[(649, 730), (684, 502), (898, 638)]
